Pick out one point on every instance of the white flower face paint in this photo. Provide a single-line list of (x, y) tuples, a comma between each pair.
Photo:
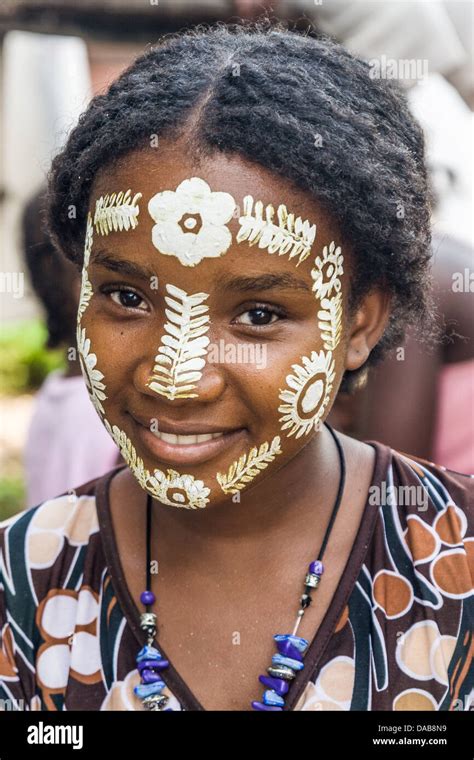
[(243, 471), (289, 235), (86, 287), (327, 271), (116, 212), (179, 361), (191, 221), (171, 488), (92, 376), (311, 387)]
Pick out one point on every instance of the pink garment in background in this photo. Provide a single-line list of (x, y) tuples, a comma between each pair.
[(454, 437), (67, 444)]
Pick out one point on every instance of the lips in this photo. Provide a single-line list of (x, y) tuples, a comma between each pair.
[(186, 443)]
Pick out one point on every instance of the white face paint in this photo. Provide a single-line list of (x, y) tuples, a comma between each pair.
[(87, 359), (290, 235), (179, 361), (116, 212), (92, 375), (311, 385), (191, 222), (243, 471), (86, 287), (169, 488)]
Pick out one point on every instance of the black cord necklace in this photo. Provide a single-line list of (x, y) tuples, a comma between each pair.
[(291, 648)]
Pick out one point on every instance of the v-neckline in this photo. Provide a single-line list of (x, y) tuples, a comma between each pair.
[(318, 643)]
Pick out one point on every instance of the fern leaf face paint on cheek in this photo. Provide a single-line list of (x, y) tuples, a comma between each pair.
[(248, 466), (87, 359), (86, 287)]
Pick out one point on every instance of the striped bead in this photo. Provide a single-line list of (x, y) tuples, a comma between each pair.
[(297, 641), (148, 653), (270, 697), (279, 659), (147, 689), (148, 664)]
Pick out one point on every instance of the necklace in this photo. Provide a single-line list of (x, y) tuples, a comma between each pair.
[(289, 658)]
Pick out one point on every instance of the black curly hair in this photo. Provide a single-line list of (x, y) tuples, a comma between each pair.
[(270, 94)]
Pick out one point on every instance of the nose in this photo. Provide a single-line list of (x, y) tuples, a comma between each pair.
[(181, 380)]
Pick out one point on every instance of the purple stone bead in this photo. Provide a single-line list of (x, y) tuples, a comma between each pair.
[(147, 598), (317, 568), (277, 684), (148, 676), (287, 648), (156, 664), (261, 706)]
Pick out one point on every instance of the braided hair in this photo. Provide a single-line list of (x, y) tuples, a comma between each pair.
[(296, 103)]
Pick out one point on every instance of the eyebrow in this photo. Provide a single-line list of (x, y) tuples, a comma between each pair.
[(264, 282), (122, 266)]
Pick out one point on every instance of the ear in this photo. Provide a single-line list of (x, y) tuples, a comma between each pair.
[(367, 327)]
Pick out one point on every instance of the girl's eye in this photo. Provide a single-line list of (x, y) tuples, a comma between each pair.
[(128, 299), (258, 317)]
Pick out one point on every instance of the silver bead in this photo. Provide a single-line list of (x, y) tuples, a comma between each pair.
[(312, 580), (281, 671), (148, 624), (155, 702)]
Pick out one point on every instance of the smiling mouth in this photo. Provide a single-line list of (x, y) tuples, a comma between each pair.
[(190, 448), (185, 440)]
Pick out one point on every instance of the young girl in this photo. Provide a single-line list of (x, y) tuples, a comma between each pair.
[(250, 212)]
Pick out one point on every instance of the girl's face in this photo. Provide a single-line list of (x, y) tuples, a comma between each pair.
[(211, 361)]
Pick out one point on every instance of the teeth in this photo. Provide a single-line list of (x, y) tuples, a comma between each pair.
[(184, 440)]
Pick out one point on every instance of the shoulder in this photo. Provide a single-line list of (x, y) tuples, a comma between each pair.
[(42, 543), (68, 519), (443, 487), (426, 515), (51, 565)]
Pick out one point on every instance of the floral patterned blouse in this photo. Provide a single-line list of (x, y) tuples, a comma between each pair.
[(398, 634)]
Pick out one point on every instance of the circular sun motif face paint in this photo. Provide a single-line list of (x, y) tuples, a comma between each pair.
[(311, 386)]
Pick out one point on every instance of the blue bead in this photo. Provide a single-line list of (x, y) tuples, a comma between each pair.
[(286, 648), (148, 653), (270, 697), (261, 706), (279, 659), (147, 689), (147, 598), (148, 664), (149, 676), (299, 643), (316, 567), (277, 684)]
